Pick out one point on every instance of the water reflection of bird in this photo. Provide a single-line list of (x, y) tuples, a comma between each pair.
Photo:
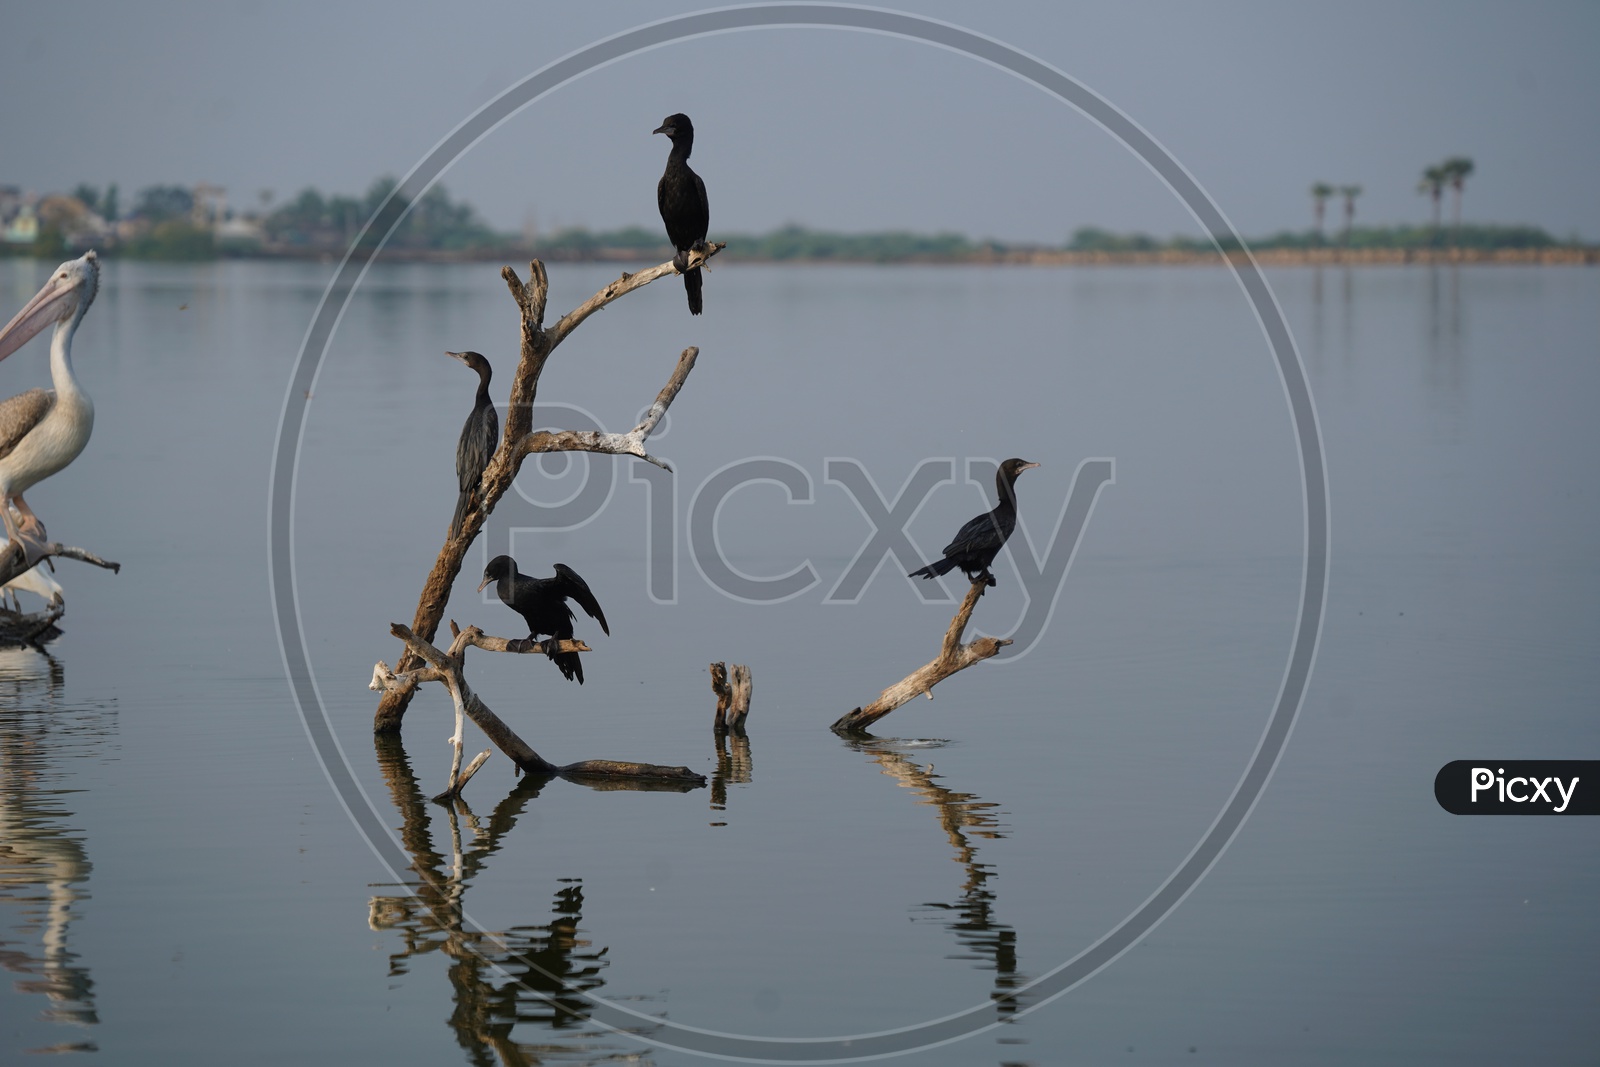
[(43, 430), (978, 542), (542, 603), (478, 438), (681, 196)]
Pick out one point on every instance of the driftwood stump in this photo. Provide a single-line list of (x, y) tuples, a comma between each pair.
[(447, 669), (953, 656), (733, 696)]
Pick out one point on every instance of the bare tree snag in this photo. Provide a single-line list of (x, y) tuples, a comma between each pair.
[(953, 656), (733, 696), (519, 441), (447, 669)]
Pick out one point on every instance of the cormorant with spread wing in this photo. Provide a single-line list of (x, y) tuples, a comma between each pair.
[(542, 603)]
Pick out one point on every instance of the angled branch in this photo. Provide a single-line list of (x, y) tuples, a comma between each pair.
[(473, 637), (953, 656), (625, 285), (15, 559)]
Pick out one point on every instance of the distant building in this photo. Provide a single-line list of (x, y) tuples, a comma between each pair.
[(23, 227), (239, 231), (210, 206)]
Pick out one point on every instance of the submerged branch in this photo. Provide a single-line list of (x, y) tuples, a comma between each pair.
[(447, 669)]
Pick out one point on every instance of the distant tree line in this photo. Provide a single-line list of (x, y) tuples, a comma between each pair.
[(1483, 237), (791, 242), (312, 220), (165, 224)]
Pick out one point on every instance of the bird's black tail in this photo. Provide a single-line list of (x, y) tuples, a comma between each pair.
[(691, 285), (934, 569), (463, 504), (571, 666)]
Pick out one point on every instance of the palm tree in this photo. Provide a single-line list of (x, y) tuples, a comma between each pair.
[(1320, 192), (1349, 192), (1433, 182), (1457, 169)]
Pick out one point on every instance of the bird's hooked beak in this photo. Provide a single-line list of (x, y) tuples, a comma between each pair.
[(56, 302), (486, 581), (459, 357), (666, 128), (1026, 467)]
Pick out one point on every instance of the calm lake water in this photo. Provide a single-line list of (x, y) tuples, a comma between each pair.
[(179, 884)]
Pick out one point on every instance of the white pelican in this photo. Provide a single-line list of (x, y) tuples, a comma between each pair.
[(43, 430)]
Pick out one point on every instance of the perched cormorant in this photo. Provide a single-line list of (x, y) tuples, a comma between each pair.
[(681, 196), (978, 542), (43, 430), (479, 437), (542, 603)]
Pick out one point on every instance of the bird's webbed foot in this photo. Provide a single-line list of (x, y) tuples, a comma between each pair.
[(680, 262), (989, 579), (27, 532)]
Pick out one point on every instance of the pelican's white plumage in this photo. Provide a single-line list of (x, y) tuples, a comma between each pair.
[(43, 430)]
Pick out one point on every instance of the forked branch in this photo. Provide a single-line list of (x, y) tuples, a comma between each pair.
[(519, 441)]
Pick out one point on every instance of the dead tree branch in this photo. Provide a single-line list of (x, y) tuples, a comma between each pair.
[(625, 285), (519, 441), (447, 669), (953, 656), (15, 560)]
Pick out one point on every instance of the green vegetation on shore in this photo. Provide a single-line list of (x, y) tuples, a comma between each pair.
[(1409, 238), (171, 222)]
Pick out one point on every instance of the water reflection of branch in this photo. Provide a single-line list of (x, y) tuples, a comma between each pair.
[(734, 765), (43, 867), (966, 819), (524, 975)]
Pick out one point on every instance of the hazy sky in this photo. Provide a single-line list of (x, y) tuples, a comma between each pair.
[(825, 127)]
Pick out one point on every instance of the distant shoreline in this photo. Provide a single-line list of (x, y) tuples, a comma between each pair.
[(1564, 255)]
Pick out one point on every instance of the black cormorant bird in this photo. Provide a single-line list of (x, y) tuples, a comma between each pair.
[(479, 438), (542, 603), (978, 542), (681, 196)]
